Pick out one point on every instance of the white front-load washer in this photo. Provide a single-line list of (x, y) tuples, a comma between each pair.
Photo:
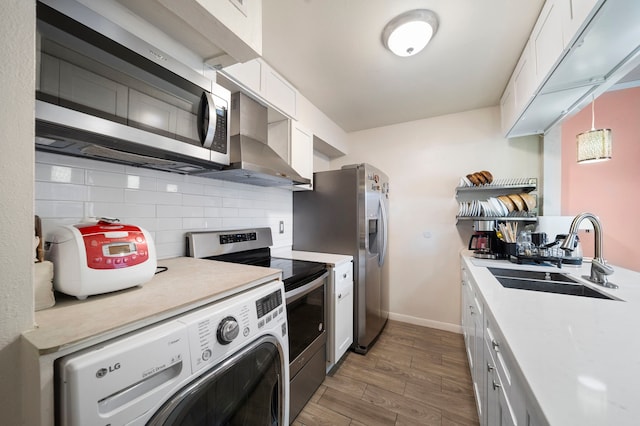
[(223, 364)]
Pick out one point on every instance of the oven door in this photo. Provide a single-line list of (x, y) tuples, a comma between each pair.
[(306, 319), (246, 389)]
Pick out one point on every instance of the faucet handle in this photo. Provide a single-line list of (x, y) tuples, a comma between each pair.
[(601, 266)]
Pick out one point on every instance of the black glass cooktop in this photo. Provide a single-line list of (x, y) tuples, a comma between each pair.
[(295, 273)]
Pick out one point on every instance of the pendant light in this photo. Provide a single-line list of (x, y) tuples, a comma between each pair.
[(594, 145), (409, 33)]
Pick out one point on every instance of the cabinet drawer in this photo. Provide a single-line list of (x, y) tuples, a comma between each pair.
[(343, 274), (498, 351)]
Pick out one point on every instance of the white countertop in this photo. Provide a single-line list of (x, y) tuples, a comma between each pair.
[(328, 258), (580, 356)]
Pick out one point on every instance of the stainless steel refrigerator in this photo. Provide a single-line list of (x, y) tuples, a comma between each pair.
[(347, 213)]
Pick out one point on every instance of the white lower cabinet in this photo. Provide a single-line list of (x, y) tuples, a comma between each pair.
[(503, 397), (500, 397), (340, 327), (472, 323)]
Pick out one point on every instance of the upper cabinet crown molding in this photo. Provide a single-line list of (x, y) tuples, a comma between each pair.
[(577, 50)]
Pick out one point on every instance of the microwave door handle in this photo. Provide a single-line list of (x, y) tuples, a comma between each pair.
[(206, 120)]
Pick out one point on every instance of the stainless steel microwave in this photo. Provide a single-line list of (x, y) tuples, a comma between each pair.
[(109, 95)]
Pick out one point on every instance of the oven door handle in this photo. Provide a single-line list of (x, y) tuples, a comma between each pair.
[(297, 293)]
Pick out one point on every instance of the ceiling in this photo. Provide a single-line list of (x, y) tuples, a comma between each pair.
[(331, 51)]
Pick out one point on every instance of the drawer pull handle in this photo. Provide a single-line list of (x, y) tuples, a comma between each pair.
[(339, 296), (490, 367), (496, 385), (494, 344), (344, 275)]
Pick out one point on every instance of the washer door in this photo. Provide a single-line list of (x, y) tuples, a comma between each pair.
[(246, 389)]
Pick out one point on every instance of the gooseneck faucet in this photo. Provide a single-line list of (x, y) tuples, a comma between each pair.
[(599, 267)]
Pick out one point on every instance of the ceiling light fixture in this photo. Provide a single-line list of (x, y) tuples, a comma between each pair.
[(594, 145), (408, 33)]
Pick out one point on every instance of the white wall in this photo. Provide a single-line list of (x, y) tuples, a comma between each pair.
[(425, 160), (17, 70), (552, 177), (69, 189)]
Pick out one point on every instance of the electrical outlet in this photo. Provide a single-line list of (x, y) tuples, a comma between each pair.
[(281, 229)]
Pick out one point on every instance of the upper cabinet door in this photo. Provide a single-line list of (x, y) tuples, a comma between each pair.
[(576, 16), (546, 38), (235, 26), (524, 80), (279, 92), (262, 81)]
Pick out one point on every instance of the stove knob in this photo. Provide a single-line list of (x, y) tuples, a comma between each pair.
[(228, 330)]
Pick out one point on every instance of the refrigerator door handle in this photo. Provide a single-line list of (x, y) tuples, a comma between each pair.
[(383, 211)]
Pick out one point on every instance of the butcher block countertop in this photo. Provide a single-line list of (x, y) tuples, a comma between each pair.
[(187, 284)]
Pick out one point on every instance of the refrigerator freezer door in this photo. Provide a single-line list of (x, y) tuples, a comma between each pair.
[(347, 213)]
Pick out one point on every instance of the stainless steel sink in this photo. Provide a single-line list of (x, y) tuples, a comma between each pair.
[(548, 282), (534, 275)]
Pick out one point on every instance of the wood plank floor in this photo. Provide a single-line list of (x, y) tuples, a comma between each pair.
[(412, 376)]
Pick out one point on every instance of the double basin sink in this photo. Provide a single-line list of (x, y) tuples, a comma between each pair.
[(549, 282)]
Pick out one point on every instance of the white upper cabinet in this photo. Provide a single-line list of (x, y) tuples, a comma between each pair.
[(577, 50), (294, 143), (217, 33), (546, 38), (302, 153), (577, 13), (235, 26), (264, 83)]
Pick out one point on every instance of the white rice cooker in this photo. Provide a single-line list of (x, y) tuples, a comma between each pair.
[(94, 258)]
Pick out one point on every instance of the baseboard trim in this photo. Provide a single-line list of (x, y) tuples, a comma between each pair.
[(454, 328)]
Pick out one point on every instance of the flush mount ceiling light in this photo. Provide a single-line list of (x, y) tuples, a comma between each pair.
[(408, 33), (594, 145)]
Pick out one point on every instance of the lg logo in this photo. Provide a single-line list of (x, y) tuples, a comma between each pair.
[(110, 369)]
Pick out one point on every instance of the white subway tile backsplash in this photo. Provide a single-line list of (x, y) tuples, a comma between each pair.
[(189, 187), (229, 212), (251, 213), (59, 209), (192, 211), (192, 223), (212, 212), (122, 211), (169, 211), (60, 191), (167, 205), (105, 195), (171, 236), (201, 200), (165, 251), (152, 197), (61, 174), (169, 224), (64, 160)]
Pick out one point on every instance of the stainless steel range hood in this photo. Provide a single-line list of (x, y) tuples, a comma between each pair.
[(252, 161)]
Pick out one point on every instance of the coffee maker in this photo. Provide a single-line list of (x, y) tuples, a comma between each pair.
[(484, 242)]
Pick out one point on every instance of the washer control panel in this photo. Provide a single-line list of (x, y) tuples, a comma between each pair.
[(220, 329)]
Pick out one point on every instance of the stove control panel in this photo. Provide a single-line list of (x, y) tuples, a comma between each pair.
[(238, 238)]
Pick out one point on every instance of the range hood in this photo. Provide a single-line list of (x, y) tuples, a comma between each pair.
[(252, 160)]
